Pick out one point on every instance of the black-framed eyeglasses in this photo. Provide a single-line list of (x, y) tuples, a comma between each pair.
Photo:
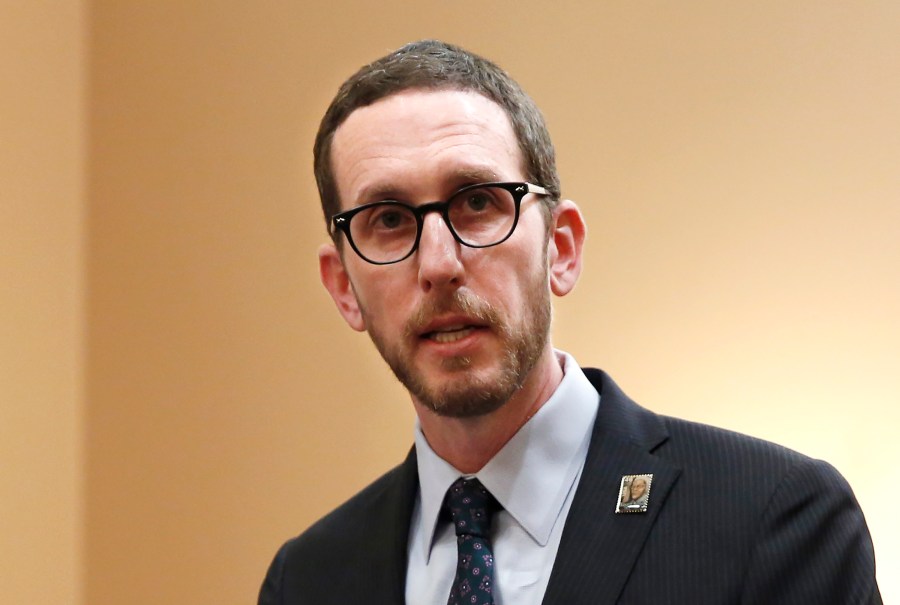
[(478, 216)]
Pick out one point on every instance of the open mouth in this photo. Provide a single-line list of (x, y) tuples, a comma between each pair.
[(450, 333)]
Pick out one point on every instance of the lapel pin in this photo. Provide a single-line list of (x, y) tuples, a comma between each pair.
[(634, 493)]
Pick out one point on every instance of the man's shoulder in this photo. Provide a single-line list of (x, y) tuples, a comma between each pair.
[(689, 438), (715, 455), (677, 436), (708, 455)]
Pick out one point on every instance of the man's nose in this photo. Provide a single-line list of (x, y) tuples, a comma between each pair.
[(438, 255)]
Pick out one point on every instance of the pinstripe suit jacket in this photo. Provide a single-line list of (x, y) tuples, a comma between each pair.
[(731, 519)]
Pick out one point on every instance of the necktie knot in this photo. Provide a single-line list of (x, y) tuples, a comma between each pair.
[(471, 507)]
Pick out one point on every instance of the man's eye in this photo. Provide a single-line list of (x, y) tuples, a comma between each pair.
[(478, 201), (391, 219)]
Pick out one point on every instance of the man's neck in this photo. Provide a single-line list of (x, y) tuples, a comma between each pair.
[(469, 443)]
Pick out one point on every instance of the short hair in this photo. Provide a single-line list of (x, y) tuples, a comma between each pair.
[(436, 65)]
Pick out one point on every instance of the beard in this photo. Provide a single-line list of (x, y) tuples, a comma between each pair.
[(472, 393)]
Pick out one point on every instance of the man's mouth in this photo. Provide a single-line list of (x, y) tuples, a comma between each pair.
[(449, 334)]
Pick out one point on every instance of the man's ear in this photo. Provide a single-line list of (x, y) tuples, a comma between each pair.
[(566, 245), (337, 282)]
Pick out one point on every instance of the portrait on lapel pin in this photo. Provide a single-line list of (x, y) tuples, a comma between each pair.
[(634, 493)]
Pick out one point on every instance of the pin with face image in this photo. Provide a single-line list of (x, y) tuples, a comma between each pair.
[(634, 493)]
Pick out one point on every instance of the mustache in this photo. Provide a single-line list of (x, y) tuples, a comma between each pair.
[(459, 301)]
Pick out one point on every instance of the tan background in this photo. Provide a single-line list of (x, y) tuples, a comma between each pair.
[(177, 395)]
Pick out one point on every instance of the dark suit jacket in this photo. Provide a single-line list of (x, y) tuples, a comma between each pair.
[(731, 519)]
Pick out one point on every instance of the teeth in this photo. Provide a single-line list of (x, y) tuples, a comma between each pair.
[(451, 335)]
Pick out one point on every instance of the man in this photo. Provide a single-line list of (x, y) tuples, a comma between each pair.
[(439, 188)]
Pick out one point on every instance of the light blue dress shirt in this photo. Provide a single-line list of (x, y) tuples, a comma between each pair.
[(533, 477)]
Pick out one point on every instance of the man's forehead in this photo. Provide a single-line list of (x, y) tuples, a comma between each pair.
[(461, 135)]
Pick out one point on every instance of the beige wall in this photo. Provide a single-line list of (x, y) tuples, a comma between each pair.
[(736, 164), (42, 171)]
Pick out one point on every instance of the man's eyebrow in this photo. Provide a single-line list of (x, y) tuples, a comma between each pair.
[(456, 179), (377, 192), (477, 175)]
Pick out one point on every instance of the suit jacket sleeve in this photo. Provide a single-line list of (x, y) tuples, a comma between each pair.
[(813, 544), (270, 592)]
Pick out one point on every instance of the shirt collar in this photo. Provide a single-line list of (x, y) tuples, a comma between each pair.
[(533, 473)]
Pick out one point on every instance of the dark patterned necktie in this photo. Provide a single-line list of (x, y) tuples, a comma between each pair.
[(471, 507)]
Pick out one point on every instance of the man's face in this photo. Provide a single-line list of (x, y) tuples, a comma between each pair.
[(638, 487), (460, 327)]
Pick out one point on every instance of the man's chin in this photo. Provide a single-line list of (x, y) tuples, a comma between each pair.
[(445, 372), (461, 392), (463, 404)]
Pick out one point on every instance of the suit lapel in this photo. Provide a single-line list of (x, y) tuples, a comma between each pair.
[(599, 548), (387, 545)]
